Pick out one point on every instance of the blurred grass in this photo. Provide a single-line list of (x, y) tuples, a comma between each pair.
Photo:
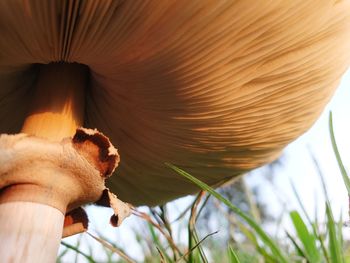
[(311, 241)]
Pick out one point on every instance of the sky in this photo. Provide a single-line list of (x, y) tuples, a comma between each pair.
[(297, 167)]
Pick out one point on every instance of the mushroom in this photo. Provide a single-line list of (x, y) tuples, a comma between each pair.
[(216, 87)]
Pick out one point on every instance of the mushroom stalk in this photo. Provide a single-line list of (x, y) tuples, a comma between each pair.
[(31, 218), (29, 232), (58, 104)]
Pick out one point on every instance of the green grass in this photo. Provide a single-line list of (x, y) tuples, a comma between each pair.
[(310, 241)]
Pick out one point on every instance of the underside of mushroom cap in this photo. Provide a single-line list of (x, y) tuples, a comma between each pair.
[(215, 87)]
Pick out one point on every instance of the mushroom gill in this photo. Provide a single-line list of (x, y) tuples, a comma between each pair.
[(215, 87)]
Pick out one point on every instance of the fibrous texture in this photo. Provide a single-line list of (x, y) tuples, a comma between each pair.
[(216, 87), (64, 175)]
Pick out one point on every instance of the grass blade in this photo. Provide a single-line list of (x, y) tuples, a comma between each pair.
[(252, 237), (162, 258), (192, 233), (232, 256), (113, 249), (345, 176), (157, 243), (340, 236), (195, 246), (307, 239), (263, 236), (334, 246), (298, 249), (89, 258), (314, 225), (61, 255)]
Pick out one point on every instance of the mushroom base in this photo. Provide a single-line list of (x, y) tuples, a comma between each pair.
[(61, 176), (29, 232)]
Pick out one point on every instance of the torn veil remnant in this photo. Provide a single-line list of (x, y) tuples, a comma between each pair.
[(87, 160), (121, 209)]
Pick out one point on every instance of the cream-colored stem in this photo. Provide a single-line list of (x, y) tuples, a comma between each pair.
[(29, 231)]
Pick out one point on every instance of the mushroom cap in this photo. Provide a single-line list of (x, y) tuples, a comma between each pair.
[(215, 87)]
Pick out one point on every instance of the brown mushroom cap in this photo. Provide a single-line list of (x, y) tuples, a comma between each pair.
[(215, 87)]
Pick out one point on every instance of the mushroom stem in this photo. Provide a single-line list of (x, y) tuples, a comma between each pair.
[(30, 231), (57, 107)]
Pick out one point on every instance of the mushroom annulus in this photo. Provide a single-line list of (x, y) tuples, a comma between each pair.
[(217, 88)]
